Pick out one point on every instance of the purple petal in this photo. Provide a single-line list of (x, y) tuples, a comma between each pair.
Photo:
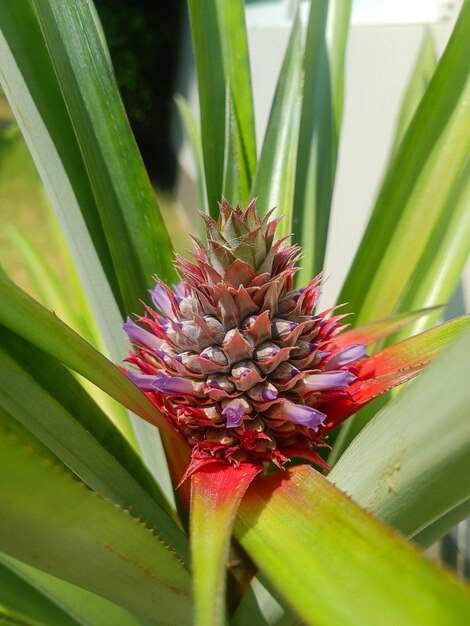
[(161, 300), (298, 293), (269, 394), (348, 355), (304, 415), (179, 290), (173, 384), (141, 337), (234, 412), (338, 379), (143, 381), (165, 324)]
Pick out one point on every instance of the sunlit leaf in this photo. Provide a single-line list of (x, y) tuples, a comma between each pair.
[(440, 267), (413, 202), (193, 134), (50, 521), (29, 73), (411, 464), (211, 84), (124, 197), (320, 124), (49, 291), (418, 82), (238, 77), (53, 601), (273, 185), (216, 492), (296, 522), (43, 396), (24, 316)]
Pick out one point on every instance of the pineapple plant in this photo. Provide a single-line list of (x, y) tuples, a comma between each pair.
[(243, 515), (238, 360)]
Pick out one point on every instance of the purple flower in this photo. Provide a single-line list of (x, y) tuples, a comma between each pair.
[(334, 379), (141, 337), (269, 393), (348, 355), (161, 300), (143, 381), (301, 414), (173, 385), (179, 291), (234, 412)]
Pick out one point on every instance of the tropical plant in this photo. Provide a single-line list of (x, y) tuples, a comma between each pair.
[(243, 378)]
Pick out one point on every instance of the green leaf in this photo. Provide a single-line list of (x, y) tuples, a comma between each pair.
[(43, 396), (320, 123), (238, 76), (194, 137), (222, 62), (216, 492), (232, 184), (30, 320), (21, 603), (211, 83), (31, 85), (442, 525), (58, 602), (49, 291), (124, 198), (336, 564), (259, 606), (440, 267), (411, 354), (411, 464), (50, 521), (413, 202), (274, 179), (418, 82), (377, 330)]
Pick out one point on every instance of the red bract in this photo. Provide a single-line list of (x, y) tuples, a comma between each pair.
[(239, 360)]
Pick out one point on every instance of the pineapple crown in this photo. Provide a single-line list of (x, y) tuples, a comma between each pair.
[(240, 234)]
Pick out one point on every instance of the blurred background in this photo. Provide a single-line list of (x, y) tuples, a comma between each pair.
[(150, 48)]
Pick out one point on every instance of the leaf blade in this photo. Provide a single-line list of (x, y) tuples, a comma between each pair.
[(237, 69), (208, 54), (74, 606), (415, 191), (45, 398), (30, 320), (124, 198), (280, 507), (273, 184), (106, 551), (412, 477), (320, 124), (216, 492)]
